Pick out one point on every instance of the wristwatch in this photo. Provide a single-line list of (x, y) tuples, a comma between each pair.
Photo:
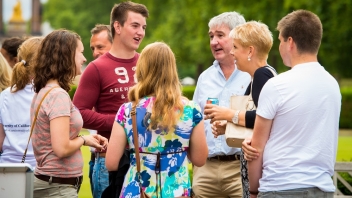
[(235, 117)]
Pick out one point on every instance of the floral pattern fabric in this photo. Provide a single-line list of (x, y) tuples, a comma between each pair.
[(163, 153)]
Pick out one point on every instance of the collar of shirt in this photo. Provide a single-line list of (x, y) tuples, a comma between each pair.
[(212, 83)]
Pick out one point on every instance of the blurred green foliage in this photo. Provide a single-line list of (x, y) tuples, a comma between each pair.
[(188, 91), (346, 108), (72, 91), (183, 24), (347, 177)]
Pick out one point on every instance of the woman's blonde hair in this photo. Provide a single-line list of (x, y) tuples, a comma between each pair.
[(5, 73), (22, 71), (157, 76), (256, 34)]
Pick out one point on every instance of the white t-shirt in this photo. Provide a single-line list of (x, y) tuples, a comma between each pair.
[(305, 105), (15, 117)]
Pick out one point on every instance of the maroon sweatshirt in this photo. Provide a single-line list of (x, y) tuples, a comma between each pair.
[(104, 85)]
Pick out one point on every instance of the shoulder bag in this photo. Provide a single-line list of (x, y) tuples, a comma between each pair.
[(34, 121), (136, 148), (235, 134)]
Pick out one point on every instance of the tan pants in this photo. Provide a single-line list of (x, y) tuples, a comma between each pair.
[(217, 179), (43, 189)]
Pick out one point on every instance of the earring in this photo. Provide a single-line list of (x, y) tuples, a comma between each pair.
[(249, 58)]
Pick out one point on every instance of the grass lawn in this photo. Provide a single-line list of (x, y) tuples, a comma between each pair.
[(344, 153), (344, 150), (85, 191)]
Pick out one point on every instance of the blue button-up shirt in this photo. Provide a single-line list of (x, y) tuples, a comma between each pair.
[(212, 83)]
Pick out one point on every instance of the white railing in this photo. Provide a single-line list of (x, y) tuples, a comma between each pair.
[(342, 167)]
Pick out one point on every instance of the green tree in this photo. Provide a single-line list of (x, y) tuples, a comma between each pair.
[(183, 24), (79, 16)]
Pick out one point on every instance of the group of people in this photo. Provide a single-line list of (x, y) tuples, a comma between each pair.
[(291, 153)]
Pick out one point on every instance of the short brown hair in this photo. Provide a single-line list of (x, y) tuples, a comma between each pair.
[(101, 27), (304, 27), (119, 13), (56, 59), (11, 45)]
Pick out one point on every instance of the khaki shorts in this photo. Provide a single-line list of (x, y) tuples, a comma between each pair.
[(43, 189)]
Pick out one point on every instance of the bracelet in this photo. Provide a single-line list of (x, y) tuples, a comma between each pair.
[(253, 192), (235, 119), (84, 140)]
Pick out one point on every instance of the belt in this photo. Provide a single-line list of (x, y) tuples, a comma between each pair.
[(100, 155), (75, 181), (225, 157)]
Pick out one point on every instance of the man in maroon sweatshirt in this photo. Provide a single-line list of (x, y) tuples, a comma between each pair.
[(100, 43), (105, 82)]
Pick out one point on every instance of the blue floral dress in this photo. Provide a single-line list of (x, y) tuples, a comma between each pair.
[(163, 154)]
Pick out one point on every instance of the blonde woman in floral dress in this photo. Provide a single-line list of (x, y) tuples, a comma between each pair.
[(167, 127)]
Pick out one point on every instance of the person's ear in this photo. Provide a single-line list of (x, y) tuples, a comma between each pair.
[(117, 27), (290, 42), (15, 60), (250, 52)]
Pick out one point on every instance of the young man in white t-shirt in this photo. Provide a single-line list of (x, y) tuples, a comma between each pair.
[(296, 128)]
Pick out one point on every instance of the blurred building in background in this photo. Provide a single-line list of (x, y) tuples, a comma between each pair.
[(17, 26)]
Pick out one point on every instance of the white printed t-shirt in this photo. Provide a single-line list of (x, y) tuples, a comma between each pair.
[(15, 117)]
